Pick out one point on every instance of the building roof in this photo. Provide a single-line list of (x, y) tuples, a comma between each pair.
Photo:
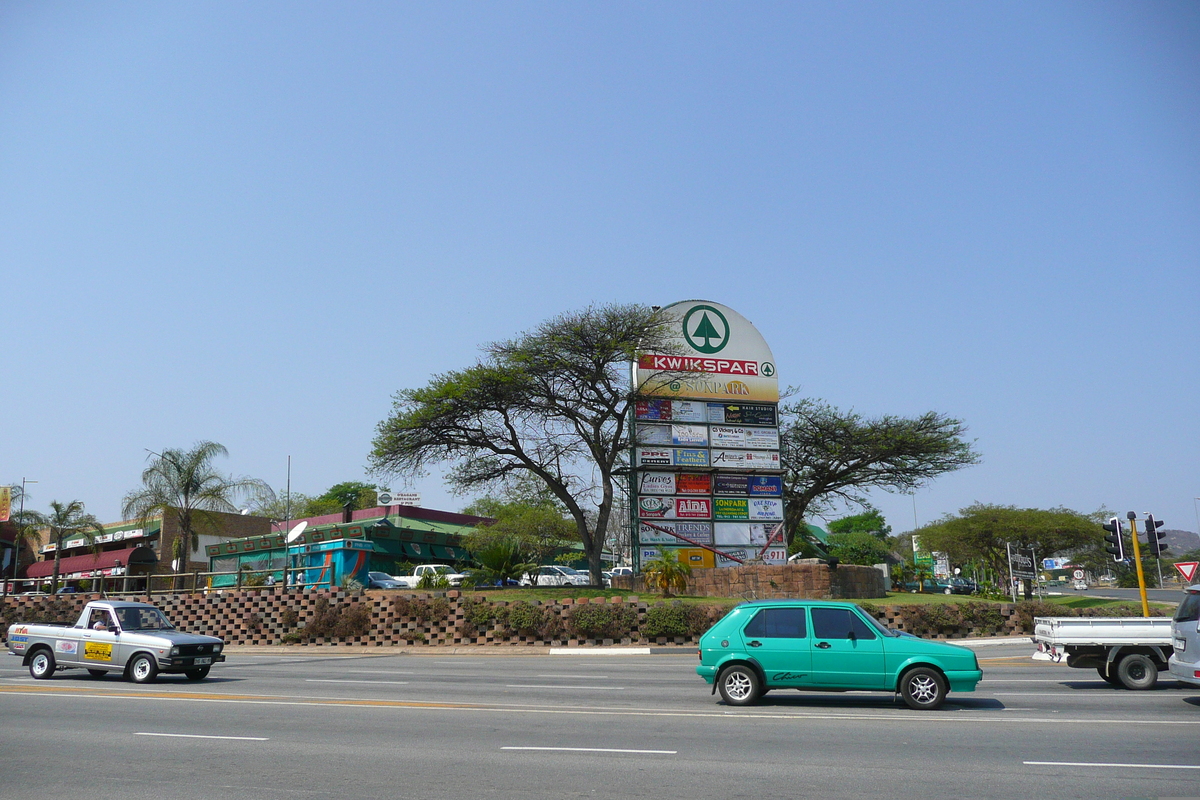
[(92, 561)]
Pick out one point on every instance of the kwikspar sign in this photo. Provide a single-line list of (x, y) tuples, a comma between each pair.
[(717, 354)]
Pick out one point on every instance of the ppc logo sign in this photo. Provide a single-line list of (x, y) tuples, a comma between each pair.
[(706, 329)]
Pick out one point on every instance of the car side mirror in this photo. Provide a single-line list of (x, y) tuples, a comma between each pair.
[(850, 635)]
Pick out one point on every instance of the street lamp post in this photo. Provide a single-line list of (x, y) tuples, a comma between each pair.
[(16, 542)]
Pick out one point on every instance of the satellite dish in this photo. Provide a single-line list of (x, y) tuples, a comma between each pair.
[(295, 532), (244, 512)]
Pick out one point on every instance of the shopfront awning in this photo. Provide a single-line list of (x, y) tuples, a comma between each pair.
[(131, 556)]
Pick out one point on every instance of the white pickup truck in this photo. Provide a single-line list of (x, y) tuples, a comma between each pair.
[(434, 571), (135, 639), (1125, 651)]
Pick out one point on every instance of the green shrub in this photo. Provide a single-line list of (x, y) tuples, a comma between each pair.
[(666, 620), (984, 617), (602, 621), (525, 619)]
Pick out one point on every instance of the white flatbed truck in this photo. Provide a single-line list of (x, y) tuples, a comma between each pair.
[(1125, 651)]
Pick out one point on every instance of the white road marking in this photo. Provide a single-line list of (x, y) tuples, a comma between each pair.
[(594, 750), (570, 676), (1105, 764), (624, 651), (331, 680), (199, 736), (557, 686), (378, 672)]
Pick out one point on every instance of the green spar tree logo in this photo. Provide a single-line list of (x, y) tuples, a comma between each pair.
[(705, 337)]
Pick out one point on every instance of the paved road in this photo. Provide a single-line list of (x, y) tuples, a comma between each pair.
[(493, 726), (1170, 595)]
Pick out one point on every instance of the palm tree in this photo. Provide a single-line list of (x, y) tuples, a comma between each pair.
[(186, 483), (667, 573), (26, 526), (66, 520)]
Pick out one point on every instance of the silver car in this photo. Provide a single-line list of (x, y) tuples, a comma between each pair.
[(1185, 639)]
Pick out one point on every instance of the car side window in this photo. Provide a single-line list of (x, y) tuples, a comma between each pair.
[(778, 623), (839, 623)]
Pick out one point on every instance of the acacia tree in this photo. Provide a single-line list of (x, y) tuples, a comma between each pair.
[(831, 456), (186, 483), (553, 403), (983, 532), (66, 520)]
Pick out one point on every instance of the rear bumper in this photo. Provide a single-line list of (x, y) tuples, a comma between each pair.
[(708, 673), (1184, 671)]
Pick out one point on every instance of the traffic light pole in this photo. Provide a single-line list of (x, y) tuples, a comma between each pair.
[(1137, 560)]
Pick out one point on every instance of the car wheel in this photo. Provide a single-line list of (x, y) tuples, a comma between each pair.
[(948, 591), (1137, 671), (97, 673), (143, 669), (198, 674), (923, 689), (41, 665), (1112, 679), (739, 685)]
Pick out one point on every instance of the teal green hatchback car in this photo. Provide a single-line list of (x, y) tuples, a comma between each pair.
[(825, 646)]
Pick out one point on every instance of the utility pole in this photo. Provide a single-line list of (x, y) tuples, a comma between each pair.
[(1137, 561)]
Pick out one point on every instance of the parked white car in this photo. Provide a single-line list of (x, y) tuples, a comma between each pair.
[(555, 575)]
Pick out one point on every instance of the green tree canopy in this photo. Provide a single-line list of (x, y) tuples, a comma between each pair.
[(858, 547), (553, 403), (358, 494), (832, 456), (982, 532), (870, 521), (531, 520), (186, 482)]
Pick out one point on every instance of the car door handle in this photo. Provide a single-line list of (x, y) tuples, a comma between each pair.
[(824, 645), (755, 643)]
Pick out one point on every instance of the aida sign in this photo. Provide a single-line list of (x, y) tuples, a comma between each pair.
[(717, 353)]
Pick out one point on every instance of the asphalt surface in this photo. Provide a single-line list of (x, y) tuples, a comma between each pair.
[(615, 726)]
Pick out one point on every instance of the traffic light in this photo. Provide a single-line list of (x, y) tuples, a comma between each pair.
[(1153, 537), (1113, 537)]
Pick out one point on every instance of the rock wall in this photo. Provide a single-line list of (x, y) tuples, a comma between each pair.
[(809, 578)]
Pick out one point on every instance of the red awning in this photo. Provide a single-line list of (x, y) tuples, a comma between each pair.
[(91, 561)]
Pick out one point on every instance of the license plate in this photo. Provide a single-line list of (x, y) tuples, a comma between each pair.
[(202, 661), (1181, 645)]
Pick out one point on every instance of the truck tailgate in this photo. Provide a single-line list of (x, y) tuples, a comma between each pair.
[(1102, 630)]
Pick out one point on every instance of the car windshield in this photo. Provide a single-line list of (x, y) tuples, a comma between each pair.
[(442, 569), (877, 625), (379, 576), (569, 571), (143, 619)]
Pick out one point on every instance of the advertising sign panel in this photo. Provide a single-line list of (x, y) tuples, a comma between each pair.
[(648, 553), (767, 508), (689, 435), (652, 409), (696, 558), (762, 438), (689, 411), (745, 459), (657, 507), (765, 485), (699, 532), (693, 483), (654, 456), (740, 533), (654, 434), (731, 508), (743, 413), (691, 458), (731, 484), (657, 483), (728, 436), (5, 503), (744, 553), (1021, 562), (717, 353)]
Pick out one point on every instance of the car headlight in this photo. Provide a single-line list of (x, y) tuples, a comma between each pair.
[(216, 648), (175, 650)]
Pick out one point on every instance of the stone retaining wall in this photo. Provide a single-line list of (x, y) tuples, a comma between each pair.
[(390, 619)]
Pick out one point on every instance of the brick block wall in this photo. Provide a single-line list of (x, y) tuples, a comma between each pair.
[(809, 579)]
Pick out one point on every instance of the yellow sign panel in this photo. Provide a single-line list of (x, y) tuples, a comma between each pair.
[(97, 651), (5, 503), (697, 557)]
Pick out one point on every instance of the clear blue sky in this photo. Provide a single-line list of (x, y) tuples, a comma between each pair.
[(252, 223)]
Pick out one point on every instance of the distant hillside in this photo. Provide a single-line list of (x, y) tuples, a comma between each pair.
[(1180, 542)]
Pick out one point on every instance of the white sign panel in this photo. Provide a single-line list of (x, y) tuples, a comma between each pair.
[(657, 483), (739, 533), (745, 459), (654, 456), (775, 555), (728, 436), (689, 435), (762, 438), (767, 508), (698, 532), (745, 554), (653, 434), (689, 411)]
